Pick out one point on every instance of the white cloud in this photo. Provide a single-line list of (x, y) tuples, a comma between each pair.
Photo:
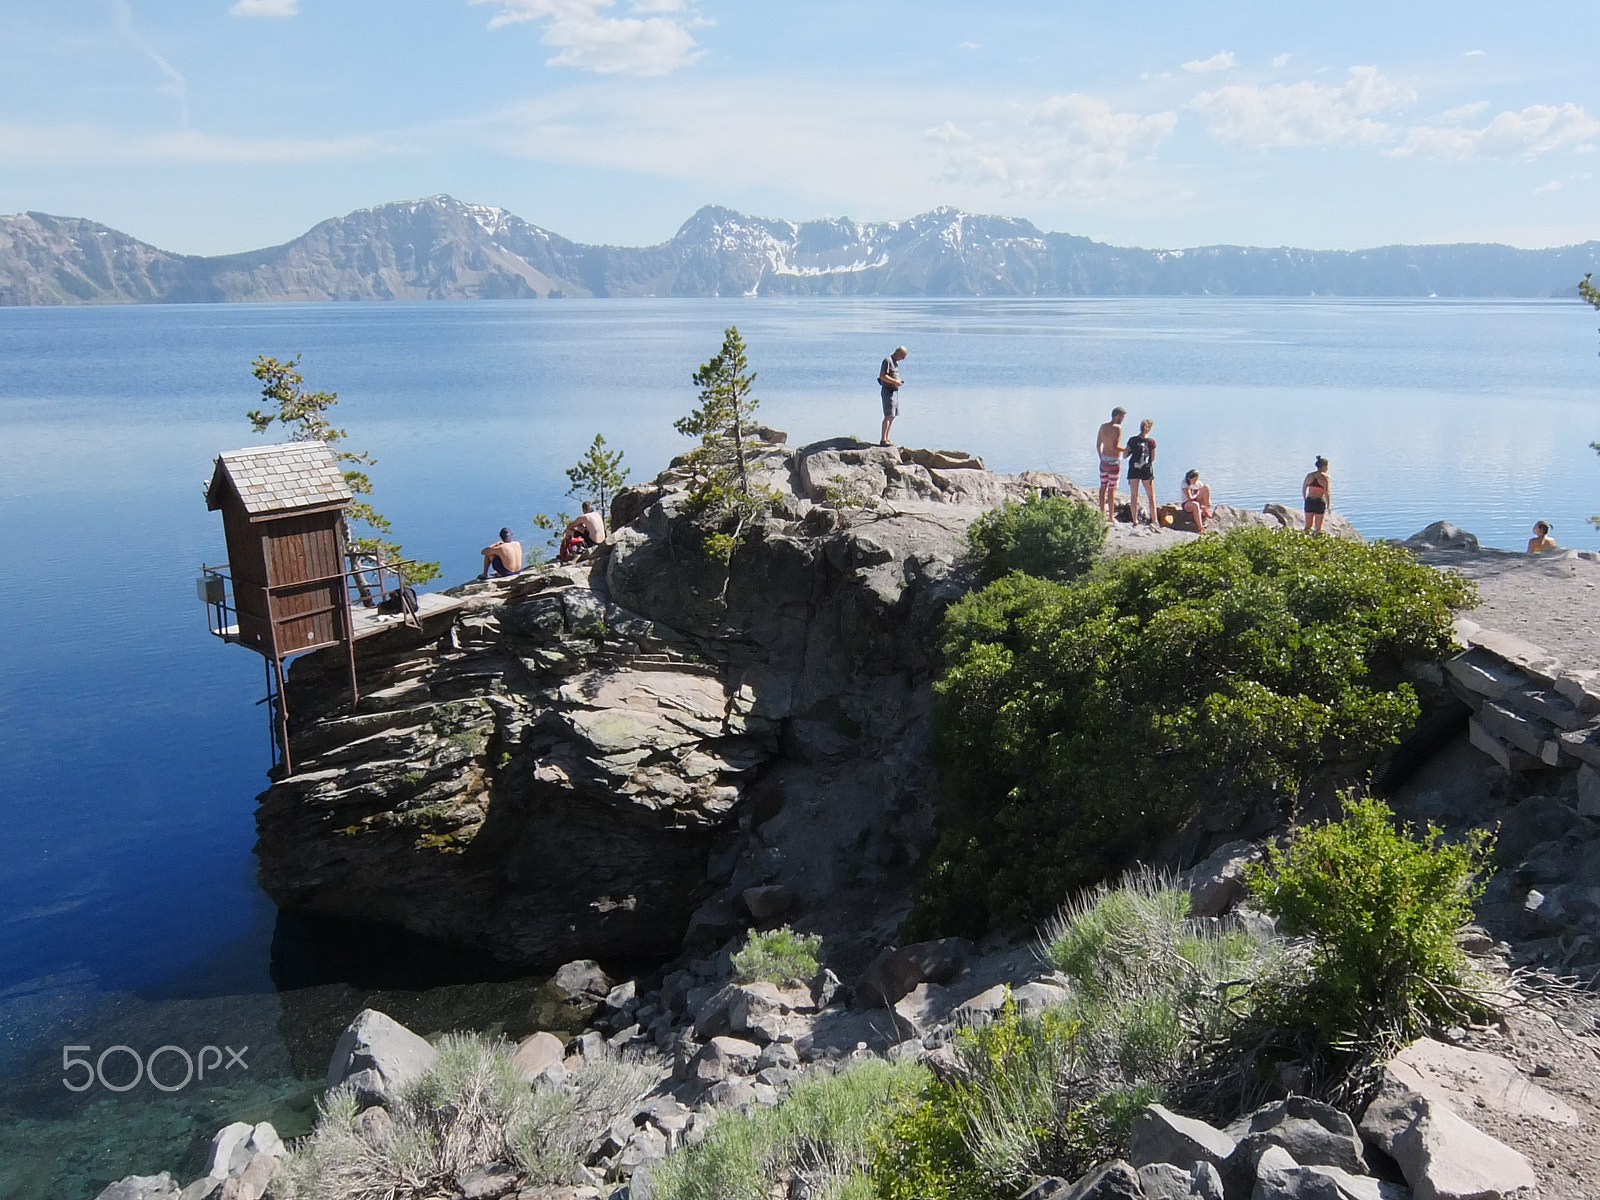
[(266, 8), (1553, 186), (1281, 60), (970, 46), (645, 43), (176, 86), (1462, 111), (1222, 61), (1527, 133), (922, 147), (93, 144), (1303, 114), (1475, 54), (1070, 145)]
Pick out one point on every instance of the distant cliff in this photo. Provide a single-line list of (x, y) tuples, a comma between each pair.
[(442, 249)]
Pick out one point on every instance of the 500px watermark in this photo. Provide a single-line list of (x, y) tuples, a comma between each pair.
[(125, 1059)]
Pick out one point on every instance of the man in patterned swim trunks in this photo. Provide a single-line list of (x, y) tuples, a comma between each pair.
[(1108, 444)]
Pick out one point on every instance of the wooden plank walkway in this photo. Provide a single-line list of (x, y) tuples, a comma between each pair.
[(367, 621)]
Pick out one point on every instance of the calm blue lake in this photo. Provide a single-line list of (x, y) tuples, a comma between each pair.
[(131, 744)]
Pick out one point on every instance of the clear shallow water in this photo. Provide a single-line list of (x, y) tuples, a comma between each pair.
[(130, 744)]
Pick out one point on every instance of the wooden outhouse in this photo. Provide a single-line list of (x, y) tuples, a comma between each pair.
[(283, 515)]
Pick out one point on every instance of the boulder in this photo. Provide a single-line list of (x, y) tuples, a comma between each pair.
[(768, 901), (1160, 1135), (1048, 1188), (1163, 1181), (1441, 535), (1316, 1134), (1216, 884), (920, 1009), (1037, 995), (1468, 1080), (1111, 1181), (382, 1052), (252, 1182), (895, 971), (540, 1056), (1588, 791), (724, 1056), (230, 1150), (141, 1187), (1441, 1156), (374, 1125), (983, 1007), (488, 1182)]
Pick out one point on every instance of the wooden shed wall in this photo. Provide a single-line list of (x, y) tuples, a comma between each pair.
[(304, 557)]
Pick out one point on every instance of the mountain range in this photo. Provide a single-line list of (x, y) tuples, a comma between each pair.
[(442, 249)]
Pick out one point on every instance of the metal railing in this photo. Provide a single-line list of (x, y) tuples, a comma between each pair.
[(370, 583)]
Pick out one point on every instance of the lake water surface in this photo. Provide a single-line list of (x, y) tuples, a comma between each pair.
[(131, 744)]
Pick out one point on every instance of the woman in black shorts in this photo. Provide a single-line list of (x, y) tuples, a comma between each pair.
[(1141, 452), (1318, 495)]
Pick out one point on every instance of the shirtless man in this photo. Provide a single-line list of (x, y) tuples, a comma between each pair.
[(1108, 444), (1541, 540), (502, 558), (586, 530), (889, 384)]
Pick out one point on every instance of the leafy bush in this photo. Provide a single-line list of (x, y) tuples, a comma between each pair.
[(779, 956), (1383, 908), (1078, 724), (471, 1109), (824, 1133), (1048, 537)]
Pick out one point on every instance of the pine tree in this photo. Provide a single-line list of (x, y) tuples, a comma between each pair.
[(305, 415), (725, 414), (599, 475)]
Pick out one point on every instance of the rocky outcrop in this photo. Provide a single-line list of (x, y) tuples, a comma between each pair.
[(601, 760), (608, 759)]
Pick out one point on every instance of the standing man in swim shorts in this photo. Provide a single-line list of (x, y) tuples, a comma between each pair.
[(1108, 444), (889, 381)]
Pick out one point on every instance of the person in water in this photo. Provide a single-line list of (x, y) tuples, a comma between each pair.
[(1141, 451), (1317, 492), (1196, 499), (1541, 539), (503, 557), (1108, 445)]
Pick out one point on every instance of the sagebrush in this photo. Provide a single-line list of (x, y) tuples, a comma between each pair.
[(471, 1109), (777, 956)]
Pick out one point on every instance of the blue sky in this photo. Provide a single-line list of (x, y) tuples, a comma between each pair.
[(209, 126)]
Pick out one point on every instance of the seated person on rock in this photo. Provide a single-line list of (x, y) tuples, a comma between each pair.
[(581, 532), (1196, 500), (503, 558)]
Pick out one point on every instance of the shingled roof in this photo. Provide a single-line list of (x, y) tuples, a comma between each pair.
[(280, 478)]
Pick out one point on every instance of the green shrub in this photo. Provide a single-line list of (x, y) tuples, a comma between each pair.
[(1049, 537), (1383, 908), (824, 1132), (779, 956), (1079, 724), (471, 1109)]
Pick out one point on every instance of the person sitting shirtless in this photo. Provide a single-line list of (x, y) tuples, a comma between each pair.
[(503, 558), (588, 529), (1541, 540)]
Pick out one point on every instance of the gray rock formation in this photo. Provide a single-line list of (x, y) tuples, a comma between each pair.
[(602, 760), (439, 248), (376, 1055)]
